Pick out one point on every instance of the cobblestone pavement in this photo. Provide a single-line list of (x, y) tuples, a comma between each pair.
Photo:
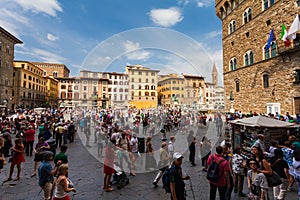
[(86, 172)]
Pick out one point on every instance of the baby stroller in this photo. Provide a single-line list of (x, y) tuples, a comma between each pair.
[(119, 178)]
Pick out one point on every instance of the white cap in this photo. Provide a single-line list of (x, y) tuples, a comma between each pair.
[(177, 155)]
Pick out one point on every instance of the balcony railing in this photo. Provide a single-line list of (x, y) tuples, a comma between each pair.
[(295, 46)]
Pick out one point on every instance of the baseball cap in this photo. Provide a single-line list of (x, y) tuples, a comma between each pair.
[(177, 155)]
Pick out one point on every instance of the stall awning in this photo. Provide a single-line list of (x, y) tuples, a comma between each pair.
[(262, 121)]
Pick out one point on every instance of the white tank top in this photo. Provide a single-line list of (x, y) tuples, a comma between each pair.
[(59, 190)]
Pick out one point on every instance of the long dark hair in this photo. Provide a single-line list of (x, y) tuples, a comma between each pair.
[(260, 153)]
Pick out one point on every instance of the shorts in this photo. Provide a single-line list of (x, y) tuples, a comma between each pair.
[(47, 190), (38, 158)]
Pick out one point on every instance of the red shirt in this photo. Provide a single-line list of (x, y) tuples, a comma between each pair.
[(223, 167), (29, 135)]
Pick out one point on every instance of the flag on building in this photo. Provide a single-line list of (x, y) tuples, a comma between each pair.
[(271, 39), (283, 36), (294, 28)]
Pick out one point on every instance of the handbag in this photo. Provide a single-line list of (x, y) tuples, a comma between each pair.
[(252, 196), (274, 179)]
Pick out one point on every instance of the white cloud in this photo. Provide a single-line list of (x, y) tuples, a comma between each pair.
[(133, 51), (52, 37), (166, 17), (183, 2), (205, 3), (47, 56), (49, 7), (213, 34), (200, 4), (41, 55)]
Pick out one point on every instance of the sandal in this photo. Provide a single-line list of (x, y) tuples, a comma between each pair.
[(109, 189), (18, 178), (34, 174), (9, 179)]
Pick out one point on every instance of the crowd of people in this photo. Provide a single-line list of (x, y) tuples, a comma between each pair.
[(258, 170), (115, 132)]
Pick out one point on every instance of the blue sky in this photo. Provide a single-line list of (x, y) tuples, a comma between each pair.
[(182, 36)]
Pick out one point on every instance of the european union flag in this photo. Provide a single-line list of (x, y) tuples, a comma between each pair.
[(271, 39)]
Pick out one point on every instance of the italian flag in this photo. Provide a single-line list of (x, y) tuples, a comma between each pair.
[(283, 36)]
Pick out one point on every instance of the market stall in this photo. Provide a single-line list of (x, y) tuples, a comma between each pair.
[(245, 131)]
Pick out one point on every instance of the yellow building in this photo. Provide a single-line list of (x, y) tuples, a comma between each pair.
[(30, 85), (7, 46), (142, 86), (171, 90), (52, 92)]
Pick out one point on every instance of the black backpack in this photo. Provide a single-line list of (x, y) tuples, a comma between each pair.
[(212, 172), (166, 179)]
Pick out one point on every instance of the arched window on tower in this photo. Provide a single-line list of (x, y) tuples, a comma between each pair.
[(247, 15), (246, 59), (265, 80), (232, 64), (273, 49)]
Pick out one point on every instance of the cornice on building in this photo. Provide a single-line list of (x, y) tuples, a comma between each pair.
[(10, 36)]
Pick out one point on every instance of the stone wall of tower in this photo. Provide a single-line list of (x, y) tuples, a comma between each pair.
[(253, 36)]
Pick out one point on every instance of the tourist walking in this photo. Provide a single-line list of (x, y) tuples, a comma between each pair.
[(61, 185), (108, 168), (39, 149), (281, 167), (163, 162), (16, 159), (238, 168), (29, 140), (46, 174), (192, 147), (150, 160), (176, 178), (256, 181), (223, 181), (205, 151)]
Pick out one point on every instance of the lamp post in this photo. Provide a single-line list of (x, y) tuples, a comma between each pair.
[(231, 99)]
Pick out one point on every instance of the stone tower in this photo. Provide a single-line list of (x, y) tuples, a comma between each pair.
[(214, 75), (260, 79)]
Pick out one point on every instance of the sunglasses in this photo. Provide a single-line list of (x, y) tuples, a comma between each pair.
[(252, 163)]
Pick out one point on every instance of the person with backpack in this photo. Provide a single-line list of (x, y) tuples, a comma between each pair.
[(163, 162), (46, 174), (175, 179), (218, 174), (281, 167)]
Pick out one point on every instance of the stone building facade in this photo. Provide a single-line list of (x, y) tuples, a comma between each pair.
[(56, 70), (7, 46), (30, 86), (256, 79), (142, 86), (171, 90), (117, 89), (194, 87)]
